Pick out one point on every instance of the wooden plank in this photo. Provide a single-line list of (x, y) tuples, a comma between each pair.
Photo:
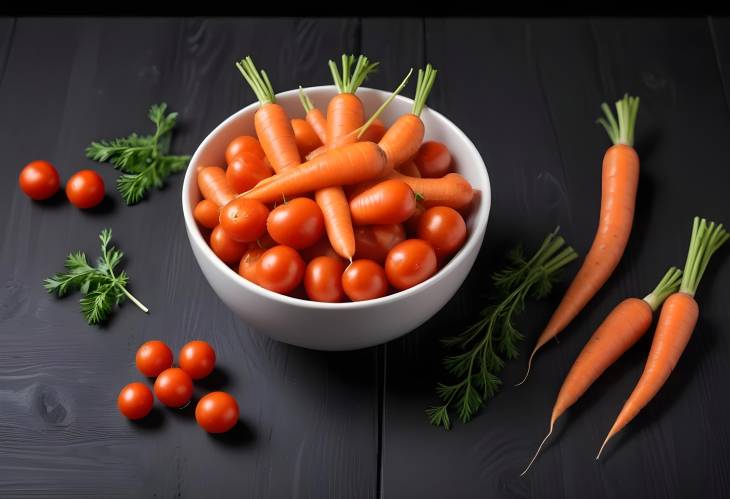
[(309, 418), (527, 93)]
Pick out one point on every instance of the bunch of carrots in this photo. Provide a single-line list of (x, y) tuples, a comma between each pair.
[(335, 206), (631, 318)]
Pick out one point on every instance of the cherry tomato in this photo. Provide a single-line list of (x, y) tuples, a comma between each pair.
[(244, 143), (173, 387), (206, 213), (85, 189), (388, 202), (307, 139), (374, 241), (197, 358), (364, 280), (323, 279), (409, 263), (153, 357), (135, 400), (433, 159), (39, 180), (244, 220), (249, 263), (246, 170), (217, 412), (280, 269), (443, 228), (227, 249), (297, 223)]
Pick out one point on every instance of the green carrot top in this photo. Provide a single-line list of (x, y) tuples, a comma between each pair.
[(706, 239), (350, 80), (426, 79), (667, 286), (259, 82), (621, 131)]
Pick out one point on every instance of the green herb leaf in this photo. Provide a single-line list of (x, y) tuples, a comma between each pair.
[(143, 159)]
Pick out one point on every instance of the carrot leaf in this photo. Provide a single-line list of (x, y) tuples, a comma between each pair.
[(706, 239), (476, 356), (425, 82), (621, 131), (257, 80), (667, 286), (350, 80)]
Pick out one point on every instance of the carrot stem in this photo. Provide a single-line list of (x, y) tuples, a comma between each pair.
[(305, 100), (426, 80), (258, 81), (363, 129), (706, 240), (349, 81), (667, 286), (621, 132)]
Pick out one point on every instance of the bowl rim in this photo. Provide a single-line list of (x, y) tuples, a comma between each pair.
[(480, 221)]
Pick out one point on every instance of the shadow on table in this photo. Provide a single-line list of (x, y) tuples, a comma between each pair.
[(240, 435), (153, 421)]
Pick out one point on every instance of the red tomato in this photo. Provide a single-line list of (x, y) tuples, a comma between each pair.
[(173, 387), (364, 280), (39, 180), (85, 189), (249, 263), (244, 220), (443, 228), (197, 358), (153, 357), (433, 159), (217, 412), (244, 143), (227, 249), (323, 279), (297, 223), (388, 202), (135, 400), (206, 213), (280, 269), (246, 170), (409, 263), (374, 241)]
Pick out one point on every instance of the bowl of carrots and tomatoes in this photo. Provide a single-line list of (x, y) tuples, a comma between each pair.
[(287, 291)]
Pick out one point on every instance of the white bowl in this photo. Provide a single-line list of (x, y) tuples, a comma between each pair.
[(338, 326)]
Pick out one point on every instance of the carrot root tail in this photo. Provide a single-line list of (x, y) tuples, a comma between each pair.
[(529, 366), (550, 432), (598, 456)]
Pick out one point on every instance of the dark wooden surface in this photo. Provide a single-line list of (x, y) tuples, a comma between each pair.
[(344, 425)]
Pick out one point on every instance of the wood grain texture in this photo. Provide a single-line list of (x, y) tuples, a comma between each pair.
[(351, 425), (309, 420)]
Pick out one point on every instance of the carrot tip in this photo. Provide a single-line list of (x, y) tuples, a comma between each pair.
[(529, 366), (598, 456), (538, 450)]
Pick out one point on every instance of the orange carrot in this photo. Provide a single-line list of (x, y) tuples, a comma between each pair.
[(619, 183), (214, 186), (374, 133), (273, 126), (389, 202), (307, 140), (337, 220), (618, 332), (409, 168), (342, 166), (314, 116), (451, 190), (676, 323), (402, 140), (206, 213)]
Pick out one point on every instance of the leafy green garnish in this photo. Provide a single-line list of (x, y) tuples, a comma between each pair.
[(143, 159), (101, 287), (480, 350)]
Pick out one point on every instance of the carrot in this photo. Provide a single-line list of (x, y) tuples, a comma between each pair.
[(314, 116), (206, 213), (618, 332), (375, 132), (451, 190), (618, 198), (402, 140), (390, 202), (409, 168), (272, 124), (342, 166), (676, 323), (307, 139), (345, 114), (214, 186)]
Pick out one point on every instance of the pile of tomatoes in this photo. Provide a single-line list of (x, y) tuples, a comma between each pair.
[(39, 180), (284, 247), (216, 412)]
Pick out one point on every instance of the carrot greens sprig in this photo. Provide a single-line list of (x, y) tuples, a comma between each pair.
[(350, 79), (621, 131), (706, 240), (258, 81), (482, 347), (424, 85)]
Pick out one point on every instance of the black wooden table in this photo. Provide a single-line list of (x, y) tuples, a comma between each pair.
[(344, 425)]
